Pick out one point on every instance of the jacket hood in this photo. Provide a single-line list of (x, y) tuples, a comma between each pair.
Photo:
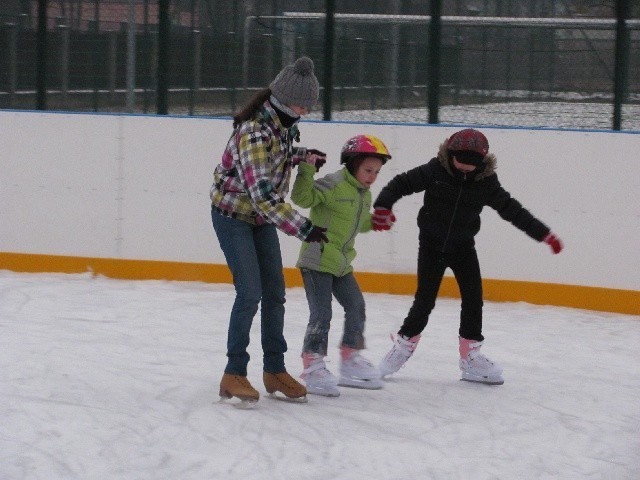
[(490, 163)]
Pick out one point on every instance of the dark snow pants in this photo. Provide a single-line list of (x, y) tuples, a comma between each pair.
[(431, 267)]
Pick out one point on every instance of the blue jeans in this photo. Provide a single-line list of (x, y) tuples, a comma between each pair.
[(253, 256), (319, 287)]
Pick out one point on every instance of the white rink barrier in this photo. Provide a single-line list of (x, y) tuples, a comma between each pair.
[(135, 188)]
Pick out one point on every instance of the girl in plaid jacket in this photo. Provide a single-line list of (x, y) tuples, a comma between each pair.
[(247, 207)]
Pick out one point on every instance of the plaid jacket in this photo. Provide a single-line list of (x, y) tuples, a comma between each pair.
[(252, 179)]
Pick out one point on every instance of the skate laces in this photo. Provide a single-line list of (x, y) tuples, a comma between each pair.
[(283, 378), (243, 381), (479, 359), (316, 371), (358, 360), (318, 368), (476, 357), (477, 363), (402, 348), (408, 343)]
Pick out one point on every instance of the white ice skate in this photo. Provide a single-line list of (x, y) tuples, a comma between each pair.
[(476, 367), (358, 372), (319, 380), (401, 351)]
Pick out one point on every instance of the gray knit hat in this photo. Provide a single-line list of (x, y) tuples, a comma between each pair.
[(296, 84)]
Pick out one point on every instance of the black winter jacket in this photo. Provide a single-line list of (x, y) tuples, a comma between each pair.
[(450, 216)]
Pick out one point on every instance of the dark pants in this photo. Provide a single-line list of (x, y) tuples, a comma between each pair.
[(431, 267)]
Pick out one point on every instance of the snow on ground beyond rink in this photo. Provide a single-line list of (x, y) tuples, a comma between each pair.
[(580, 115), (110, 379)]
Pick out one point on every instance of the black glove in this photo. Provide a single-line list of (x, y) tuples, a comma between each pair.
[(321, 158), (316, 152), (316, 235)]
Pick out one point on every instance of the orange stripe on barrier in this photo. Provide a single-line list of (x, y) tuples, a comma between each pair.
[(574, 296)]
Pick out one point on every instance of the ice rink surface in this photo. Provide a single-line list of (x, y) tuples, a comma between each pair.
[(105, 379)]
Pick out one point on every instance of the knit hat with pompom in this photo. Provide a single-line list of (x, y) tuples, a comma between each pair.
[(296, 84)]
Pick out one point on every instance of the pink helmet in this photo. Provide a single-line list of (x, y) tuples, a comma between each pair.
[(364, 145), (468, 140)]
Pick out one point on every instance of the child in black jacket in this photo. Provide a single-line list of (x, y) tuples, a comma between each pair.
[(457, 184)]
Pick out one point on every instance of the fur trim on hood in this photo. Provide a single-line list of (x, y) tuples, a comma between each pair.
[(489, 160)]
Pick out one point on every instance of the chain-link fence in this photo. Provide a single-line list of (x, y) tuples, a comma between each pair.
[(512, 62)]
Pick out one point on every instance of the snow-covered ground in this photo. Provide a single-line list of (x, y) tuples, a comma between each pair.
[(574, 115), (107, 379)]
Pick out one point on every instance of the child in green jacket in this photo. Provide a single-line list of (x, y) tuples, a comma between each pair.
[(341, 203)]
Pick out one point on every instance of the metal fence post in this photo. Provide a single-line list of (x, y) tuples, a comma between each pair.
[(412, 64), (64, 64), (197, 68), (246, 39), (112, 63), (163, 57), (394, 56), (96, 32), (288, 43), (231, 66), (41, 67), (13, 61), (131, 57), (622, 52), (433, 85), (361, 62), (328, 59)]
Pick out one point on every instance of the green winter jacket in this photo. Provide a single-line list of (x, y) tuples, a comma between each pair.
[(339, 203)]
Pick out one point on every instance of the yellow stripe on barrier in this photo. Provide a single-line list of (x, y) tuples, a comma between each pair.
[(574, 296)]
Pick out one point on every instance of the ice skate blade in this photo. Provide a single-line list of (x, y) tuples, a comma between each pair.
[(385, 372), (466, 377), (324, 392), (239, 403), (365, 384), (284, 398)]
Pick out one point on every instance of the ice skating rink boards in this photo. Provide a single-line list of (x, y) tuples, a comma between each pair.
[(126, 196)]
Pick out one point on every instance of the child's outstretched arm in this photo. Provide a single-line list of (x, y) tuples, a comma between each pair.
[(512, 211)]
